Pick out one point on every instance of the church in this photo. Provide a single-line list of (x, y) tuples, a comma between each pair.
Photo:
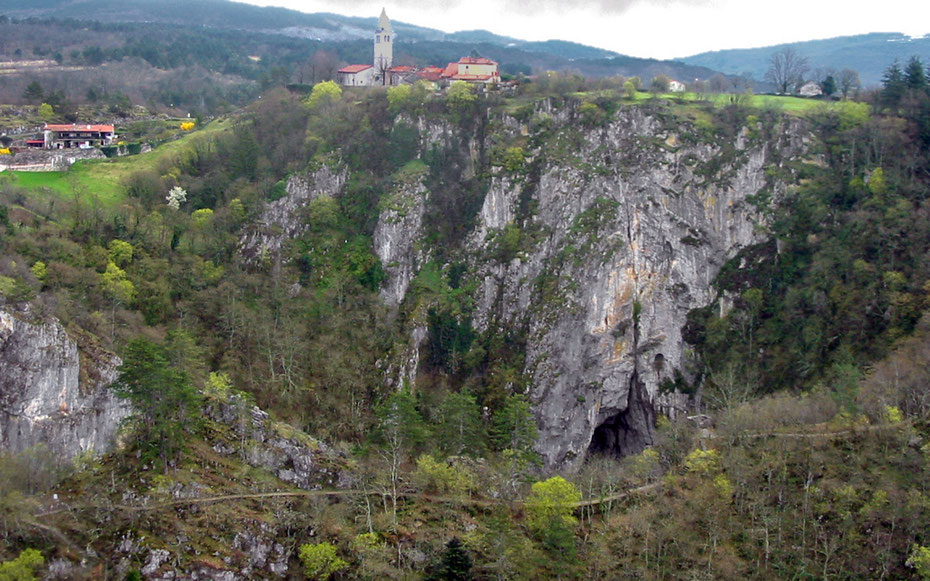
[(377, 73), (383, 72)]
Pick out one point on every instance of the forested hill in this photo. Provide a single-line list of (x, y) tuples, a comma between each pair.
[(869, 54), (349, 37)]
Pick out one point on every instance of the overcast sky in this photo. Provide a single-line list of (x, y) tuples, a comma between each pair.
[(647, 28)]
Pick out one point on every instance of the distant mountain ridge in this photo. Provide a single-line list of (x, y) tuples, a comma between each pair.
[(869, 54), (236, 15)]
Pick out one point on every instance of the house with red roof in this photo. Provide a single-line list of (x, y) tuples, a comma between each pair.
[(356, 75), (75, 135), (472, 69)]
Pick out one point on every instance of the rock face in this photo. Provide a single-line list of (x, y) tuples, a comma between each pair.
[(292, 456), (281, 219), (51, 395), (396, 236), (622, 224), (630, 232)]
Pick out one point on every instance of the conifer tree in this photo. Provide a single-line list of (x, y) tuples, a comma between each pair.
[(455, 564), (461, 430), (893, 85), (914, 77)]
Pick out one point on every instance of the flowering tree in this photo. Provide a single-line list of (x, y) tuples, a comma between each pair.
[(176, 196)]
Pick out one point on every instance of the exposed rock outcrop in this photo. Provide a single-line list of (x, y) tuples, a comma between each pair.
[(397, 234), (281, 218), (51, 395), (289, 454)]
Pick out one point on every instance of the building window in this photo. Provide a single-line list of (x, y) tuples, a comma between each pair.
[(387, 39)]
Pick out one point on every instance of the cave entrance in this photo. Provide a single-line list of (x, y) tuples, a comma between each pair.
[(630, 431)]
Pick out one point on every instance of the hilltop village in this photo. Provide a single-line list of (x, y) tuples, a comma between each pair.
[(472, 69)]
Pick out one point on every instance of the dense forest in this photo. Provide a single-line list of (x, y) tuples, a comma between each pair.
[(808, 365)]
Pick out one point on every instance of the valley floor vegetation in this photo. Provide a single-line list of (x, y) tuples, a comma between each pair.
[(815, 463)]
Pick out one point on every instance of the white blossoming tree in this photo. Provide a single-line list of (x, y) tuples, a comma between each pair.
[(176, 196)]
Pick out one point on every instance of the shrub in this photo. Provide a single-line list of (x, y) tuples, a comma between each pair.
[(321, 560), (23, 567), (431, 474)]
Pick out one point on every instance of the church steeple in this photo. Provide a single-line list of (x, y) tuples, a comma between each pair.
[(384, 48)]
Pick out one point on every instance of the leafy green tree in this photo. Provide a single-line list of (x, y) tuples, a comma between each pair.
[(551, 501), (46, 112), (460, 430), (398, 97), (919, 560), (117, 285), (455, 564), (461, 100), (324, 94), (660, 84), (321, 560), (164, 401), (828, 85), (120, 252), (23, 567), (629, 89)]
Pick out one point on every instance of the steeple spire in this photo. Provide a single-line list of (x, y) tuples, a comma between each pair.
[(384, 23)]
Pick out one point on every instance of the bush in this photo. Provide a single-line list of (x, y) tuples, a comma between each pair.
[(23, 567), (443, 477), (321, 560)]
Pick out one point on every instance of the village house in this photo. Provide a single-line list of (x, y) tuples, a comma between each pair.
[(676, 86), (75, 136), (472, 69), (356, 75)]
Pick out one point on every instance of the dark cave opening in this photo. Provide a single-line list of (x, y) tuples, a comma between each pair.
[(630, 431)]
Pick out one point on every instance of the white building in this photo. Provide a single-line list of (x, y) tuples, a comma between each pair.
[(356, 75), (676, 86), (384, 48), (376, 73)]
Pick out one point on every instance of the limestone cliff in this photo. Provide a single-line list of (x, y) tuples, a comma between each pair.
[(622, 224), (630, 231), (50, 394)]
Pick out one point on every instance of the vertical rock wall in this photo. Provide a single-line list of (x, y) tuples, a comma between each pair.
[(43, 399)]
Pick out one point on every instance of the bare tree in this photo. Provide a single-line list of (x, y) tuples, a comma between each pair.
[(847, 80), (786, 69), (719, 84)]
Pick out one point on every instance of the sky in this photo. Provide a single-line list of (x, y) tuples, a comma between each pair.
[(646, 28)]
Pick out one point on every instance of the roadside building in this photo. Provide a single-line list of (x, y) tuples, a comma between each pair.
[(78, 136)]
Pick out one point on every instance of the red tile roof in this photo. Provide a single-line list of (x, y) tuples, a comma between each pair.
[(354, 68), (77, 127), (470, 60), (451, 70), (430, 73), (403, 69)]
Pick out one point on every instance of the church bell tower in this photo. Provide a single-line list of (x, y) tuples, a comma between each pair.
[(384, 48)]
